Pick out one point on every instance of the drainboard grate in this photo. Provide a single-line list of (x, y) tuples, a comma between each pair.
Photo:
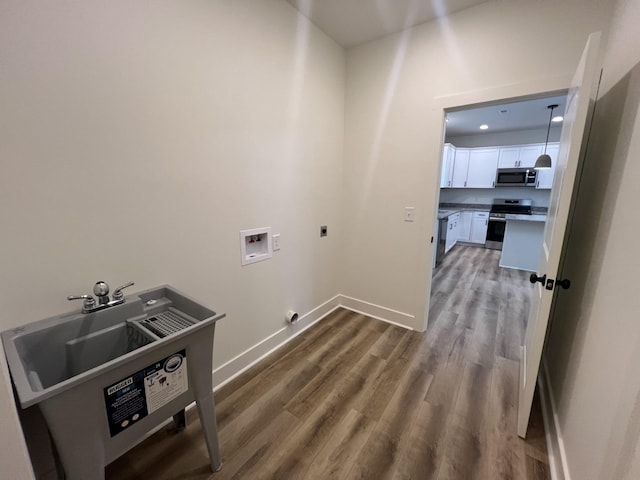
[(165, 324)]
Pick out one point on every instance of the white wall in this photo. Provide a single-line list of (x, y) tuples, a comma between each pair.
[(593, 350), (138, 139), (397, 88)]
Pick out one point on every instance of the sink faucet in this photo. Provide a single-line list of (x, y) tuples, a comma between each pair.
[(101, 291)]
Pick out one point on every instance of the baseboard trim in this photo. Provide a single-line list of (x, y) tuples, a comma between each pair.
[(378, 312), (247, 359), (558, 465)]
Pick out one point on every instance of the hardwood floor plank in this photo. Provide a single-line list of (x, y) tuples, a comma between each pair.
[(392, 430), (388, 341), (234, 434), (472, 404), (328, 380), (426, 444), (239, 462), (465, 456), (336, 458)]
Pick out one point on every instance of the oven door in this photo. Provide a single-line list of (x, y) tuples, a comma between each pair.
[(495, 233)]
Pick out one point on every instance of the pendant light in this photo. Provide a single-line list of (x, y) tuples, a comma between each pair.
[(544, 160)]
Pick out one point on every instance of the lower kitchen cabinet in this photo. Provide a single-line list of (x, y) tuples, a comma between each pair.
[(472, 226), (464, 227), (479, 225), (452, 232)]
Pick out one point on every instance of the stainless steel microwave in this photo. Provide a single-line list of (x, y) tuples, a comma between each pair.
[(515, 177)]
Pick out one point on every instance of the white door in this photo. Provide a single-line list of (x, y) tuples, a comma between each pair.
[(581, 93)]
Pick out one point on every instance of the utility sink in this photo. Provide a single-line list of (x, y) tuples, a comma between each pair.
[(104, 379), (53, 354)]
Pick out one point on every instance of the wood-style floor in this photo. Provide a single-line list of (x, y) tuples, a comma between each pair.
[(356, 398)]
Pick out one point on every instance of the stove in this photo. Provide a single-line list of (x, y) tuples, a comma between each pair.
[(502, 206), (497, 221)]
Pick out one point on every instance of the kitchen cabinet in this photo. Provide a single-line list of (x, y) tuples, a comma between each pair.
[(476, 167), (479, 225), (483, 163), (464, 227), (508, 157), (519, 156), (448, 157), (460, 167), (544, 176), (528, 155), (452, 232)]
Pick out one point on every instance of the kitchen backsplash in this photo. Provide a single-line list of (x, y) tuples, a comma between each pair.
[(485, 196)]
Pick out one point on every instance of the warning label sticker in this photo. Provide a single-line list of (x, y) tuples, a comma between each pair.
[(133, 398)]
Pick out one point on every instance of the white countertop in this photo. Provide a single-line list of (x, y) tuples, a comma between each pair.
[(526, 218)]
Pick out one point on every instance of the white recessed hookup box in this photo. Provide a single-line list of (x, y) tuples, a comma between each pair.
[(255, 245)]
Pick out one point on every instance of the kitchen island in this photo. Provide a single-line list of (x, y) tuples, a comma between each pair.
[(522, 244)]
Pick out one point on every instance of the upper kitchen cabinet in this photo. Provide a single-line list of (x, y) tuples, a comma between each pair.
[(483, 163), (460, 168), (544, 177), (521, 156), (528, 155), (508, 157), (448, 156)]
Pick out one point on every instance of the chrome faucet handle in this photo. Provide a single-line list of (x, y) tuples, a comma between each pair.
[(89, 301), (101, 290), (117, 293)]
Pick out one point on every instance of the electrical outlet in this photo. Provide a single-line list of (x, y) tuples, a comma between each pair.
[(275, 241), (323, 231)]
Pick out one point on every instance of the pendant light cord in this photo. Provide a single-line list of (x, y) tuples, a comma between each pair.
[(551, 107)]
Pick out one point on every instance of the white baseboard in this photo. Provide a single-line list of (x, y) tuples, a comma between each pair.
[(385, 314), (558, 465), (245, 360)]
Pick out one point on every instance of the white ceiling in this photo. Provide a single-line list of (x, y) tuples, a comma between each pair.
[(524, 115), (352, 22)]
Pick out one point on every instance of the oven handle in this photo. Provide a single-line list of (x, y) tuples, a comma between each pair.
[(497, 219)]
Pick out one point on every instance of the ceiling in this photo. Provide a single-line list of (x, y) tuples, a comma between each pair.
[(353, 22), (505, 117)]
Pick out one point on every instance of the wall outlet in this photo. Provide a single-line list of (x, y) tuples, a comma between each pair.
[(323, 231), (275, 242)]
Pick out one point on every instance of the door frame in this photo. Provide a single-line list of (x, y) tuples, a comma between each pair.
[(522, 91)]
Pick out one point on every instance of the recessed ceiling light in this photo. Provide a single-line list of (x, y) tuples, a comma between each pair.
[(484, 126), (559, 118)]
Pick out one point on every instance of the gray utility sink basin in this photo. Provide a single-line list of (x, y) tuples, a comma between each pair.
[(104, 379)]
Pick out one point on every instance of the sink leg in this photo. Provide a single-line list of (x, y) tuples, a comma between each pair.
[(206, 411), (79, 446), (180, 420)]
